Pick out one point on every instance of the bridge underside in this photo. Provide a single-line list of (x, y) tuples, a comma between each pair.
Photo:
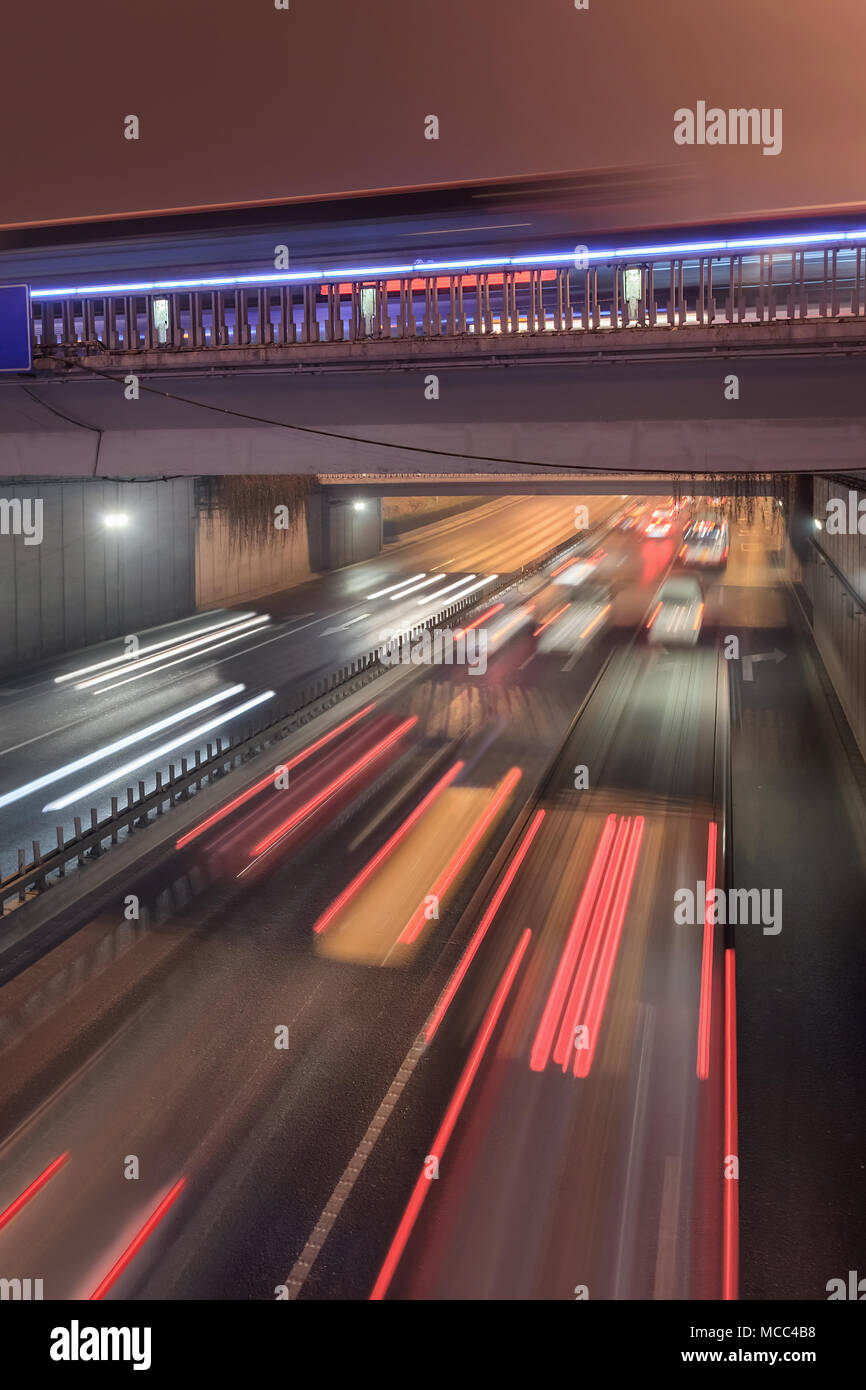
[(493, 428)]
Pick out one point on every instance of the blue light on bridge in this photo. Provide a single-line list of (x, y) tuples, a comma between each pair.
[(787, 241)]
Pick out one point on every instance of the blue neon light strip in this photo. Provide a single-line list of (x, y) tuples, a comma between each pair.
[(559, 258)]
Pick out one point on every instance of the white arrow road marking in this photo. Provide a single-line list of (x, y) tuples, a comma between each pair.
[(351, 621), (748, 661)]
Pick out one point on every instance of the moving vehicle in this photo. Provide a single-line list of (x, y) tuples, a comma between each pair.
[(630, 518), (573, 625), (705, 544), (578, 570), (661, 523), (677, 613)]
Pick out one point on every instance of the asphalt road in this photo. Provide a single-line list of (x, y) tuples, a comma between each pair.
[(299, 1162), (188, 674)]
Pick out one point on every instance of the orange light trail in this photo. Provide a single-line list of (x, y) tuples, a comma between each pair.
[(595, 621), (508, 626), (443, 282), (551, 619), (415, 925), (361, 878), (484, 616)]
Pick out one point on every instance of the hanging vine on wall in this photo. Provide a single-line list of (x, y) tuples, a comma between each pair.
[(257, 509), (747, 497)]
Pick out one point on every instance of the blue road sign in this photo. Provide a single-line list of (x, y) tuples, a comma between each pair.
[(15, 330)]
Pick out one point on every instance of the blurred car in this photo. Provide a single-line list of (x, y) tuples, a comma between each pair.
[(630, 519), (705, 544), (509, 623), (579, 570), (661, 523), (574, 625), (677, 613)]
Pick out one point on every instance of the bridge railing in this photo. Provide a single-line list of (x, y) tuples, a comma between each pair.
[(671, 292)]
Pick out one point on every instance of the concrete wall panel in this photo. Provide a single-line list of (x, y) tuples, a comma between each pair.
[(85, 583)]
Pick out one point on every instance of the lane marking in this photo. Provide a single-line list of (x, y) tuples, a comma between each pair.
[(360, 618), (303, 1265), (452, 1114)]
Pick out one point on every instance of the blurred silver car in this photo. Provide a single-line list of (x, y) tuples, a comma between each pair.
[(705, 543), (677, 613), (574, 625)]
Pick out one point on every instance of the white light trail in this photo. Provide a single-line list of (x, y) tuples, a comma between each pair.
[(423, 585), (200, 646), (68, 768), (461, 593), (155, 754), (431, 598), (380, 593), (154, 646)]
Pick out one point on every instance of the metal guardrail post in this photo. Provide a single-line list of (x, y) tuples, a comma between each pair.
[(218, 315)]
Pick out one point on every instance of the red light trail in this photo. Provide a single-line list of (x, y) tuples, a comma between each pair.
[(31, 1191), (287, 825), (246, 796), (446, 1129), (706, 1004), (481, 931), (135, 1245)]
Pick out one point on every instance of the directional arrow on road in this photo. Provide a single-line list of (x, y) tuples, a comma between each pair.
[(748, 661)]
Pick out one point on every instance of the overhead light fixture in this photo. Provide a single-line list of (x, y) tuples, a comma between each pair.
[(115, 521)]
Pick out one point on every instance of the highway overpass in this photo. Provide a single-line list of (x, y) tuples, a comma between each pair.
[(682, 358)]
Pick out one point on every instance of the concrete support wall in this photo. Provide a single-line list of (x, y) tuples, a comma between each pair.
[(227, 573), (838, 620), (83, 582), (342, 532)]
